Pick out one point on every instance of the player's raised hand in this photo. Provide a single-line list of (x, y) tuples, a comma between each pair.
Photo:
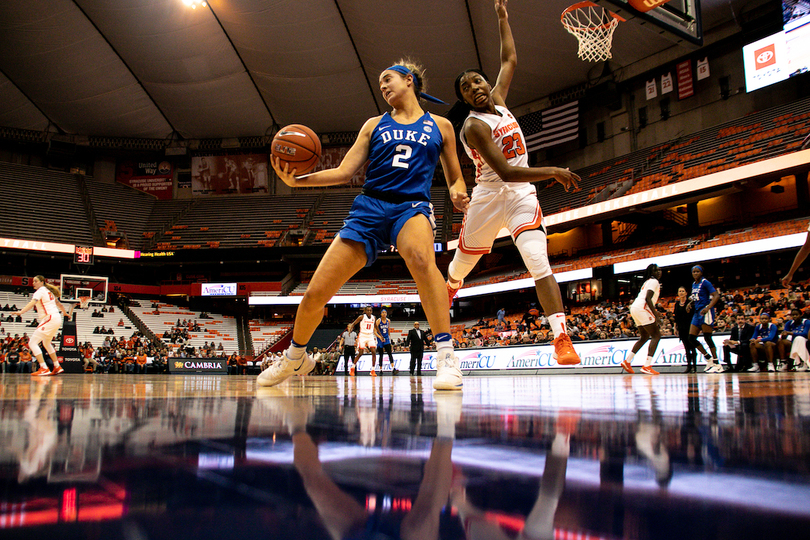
[(500, 8)]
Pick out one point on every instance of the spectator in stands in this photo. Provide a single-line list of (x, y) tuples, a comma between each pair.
[(739, 344), (241, 364), (129, 361), (317, 357), (13, 359), (501, 316), (393, 210), (140, 362), (530, 318), (3, 354), (792, 345), (96, 330), (121, 322), (764, 339), (26, 361)]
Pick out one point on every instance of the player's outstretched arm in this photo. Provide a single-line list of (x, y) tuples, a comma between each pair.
[(355, 158), (508, 55)]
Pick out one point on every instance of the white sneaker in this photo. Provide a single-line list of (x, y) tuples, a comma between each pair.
[(771, 368), (783, 366), (802, 367), (753, 369), (710, 367), (448, 375), (716, 368), (285, 368)]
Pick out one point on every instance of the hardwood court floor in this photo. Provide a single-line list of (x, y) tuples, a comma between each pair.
[(552, 456)]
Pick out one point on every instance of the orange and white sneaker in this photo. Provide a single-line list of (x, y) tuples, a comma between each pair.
[(649, 370), (564, 352), (627, 367), (41, 372), (451, 292), (351, 371), (57, 371), (373, 373)]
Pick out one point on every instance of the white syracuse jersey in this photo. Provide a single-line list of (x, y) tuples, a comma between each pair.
[(45, 303), (367, 324), (507, 136)]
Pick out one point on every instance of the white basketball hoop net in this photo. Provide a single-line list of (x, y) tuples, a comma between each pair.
[(593, 27), (84, 302)]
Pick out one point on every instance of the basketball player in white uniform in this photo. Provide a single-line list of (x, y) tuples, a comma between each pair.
[(504, 196), (646, 318), (46, 301), (366, 338)]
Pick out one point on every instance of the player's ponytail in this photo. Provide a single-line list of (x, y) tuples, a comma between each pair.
[(53, 288)]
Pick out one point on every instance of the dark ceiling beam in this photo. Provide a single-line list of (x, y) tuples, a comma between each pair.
[(371, 89), (107, 41), (32, 102), (472, 33)]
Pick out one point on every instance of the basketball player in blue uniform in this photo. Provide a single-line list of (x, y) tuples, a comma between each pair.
[(703, 298), (402, 149), (504, 196), (384, 341)]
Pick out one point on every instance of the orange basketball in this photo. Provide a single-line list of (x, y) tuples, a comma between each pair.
[(297, 145)]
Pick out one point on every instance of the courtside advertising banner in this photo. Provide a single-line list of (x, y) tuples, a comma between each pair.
[(226, 175), (218, 289), (150, 176), (594, 354), (210, 366)]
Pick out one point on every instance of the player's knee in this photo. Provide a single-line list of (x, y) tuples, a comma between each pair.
[(34, 347), (533, 249), (419, 261), (48, 347)]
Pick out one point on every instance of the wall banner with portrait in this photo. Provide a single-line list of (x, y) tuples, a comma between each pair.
[(228, 175)]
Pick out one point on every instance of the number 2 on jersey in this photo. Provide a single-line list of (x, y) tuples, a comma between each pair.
[(513, 140), (403, 154)]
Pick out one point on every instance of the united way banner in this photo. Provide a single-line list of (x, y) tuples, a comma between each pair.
[(224, 175), (598, 354), (152, 177)]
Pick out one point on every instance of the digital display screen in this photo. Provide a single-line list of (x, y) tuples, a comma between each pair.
[(83, 255), (781, 55)]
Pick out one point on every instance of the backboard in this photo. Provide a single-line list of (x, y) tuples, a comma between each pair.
[(74, 286), (677, 20)]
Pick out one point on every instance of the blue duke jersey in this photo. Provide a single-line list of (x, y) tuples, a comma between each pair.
[(701, 294), (383, 327), (403, 157), (507, 136)]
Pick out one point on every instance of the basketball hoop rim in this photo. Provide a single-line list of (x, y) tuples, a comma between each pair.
[(583, 5)]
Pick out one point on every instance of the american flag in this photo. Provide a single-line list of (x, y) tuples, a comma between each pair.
[(551, 127)]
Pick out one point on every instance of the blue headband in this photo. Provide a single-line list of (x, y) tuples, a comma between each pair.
[(402, 70), (698, 267)]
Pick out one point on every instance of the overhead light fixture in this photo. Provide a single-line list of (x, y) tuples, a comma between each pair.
[(194, 3)]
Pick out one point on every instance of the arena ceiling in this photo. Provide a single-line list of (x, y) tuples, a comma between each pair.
[(156, 68)]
